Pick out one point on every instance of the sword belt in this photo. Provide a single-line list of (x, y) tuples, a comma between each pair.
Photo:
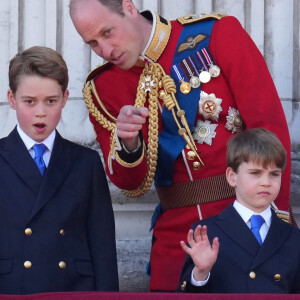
[(190, 193)]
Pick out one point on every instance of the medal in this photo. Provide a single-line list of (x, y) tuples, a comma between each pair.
[(185, 87), (234, 120), (204, 76), (195, 82), (204, 132), (210, 106), (214, 71)]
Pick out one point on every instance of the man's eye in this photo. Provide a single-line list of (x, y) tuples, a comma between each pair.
[(29, 101), (51, 101), (108, 32)]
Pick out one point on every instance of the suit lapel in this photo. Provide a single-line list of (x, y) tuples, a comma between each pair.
[(235, 228), (18, 157), (61, 161), (277, 234)]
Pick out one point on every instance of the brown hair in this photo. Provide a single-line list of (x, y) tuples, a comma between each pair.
[(41, 61), (114, 5), (259, 145)]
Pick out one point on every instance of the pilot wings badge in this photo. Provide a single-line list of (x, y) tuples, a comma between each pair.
[(191, 42)]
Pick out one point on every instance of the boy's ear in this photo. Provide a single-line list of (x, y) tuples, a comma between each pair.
[(65, 98), (11, 99), (231, 177)]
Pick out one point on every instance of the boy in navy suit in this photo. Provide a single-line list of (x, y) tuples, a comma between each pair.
[(57, 230), (247, 248)]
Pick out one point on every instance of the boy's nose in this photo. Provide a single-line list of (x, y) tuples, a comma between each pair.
[(40, 111), (265, 180)]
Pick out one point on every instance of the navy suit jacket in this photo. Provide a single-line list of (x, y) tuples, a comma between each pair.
[(243, 266), (69, 211)]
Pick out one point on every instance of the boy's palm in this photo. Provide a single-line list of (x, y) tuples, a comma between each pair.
[(203, 254)]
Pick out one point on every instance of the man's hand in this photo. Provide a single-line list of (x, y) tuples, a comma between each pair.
[(129, 122), (202, 253)]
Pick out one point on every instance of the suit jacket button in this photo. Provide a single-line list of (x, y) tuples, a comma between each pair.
[(62, 232), (277, 277), (62, 264), (27, 264), (252, 275), (183, 286), (28, 231)]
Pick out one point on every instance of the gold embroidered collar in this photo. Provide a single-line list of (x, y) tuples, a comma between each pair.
[(159, 37)]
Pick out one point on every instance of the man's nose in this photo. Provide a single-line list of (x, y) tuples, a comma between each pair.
[(104, 50)]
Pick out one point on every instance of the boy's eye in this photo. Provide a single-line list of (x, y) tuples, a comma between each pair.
[(275, 174), (254, 172)]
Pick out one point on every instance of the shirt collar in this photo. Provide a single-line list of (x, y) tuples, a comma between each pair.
[(159, 37), (247, 213), (29, 142)]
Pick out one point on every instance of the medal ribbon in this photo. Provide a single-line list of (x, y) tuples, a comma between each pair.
[(178, 72), (202, 60), (190, 58)]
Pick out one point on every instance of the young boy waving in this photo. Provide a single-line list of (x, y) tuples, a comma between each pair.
[(253, 250)]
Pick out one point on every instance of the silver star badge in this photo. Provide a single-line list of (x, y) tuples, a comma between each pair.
[(210, 106), (204, 132)]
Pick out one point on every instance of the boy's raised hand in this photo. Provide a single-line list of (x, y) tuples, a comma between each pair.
[(202, 253)]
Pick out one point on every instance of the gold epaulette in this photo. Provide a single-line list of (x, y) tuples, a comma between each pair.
[(283, 215), (201, 17)]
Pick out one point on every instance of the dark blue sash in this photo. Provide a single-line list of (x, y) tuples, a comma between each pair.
[(170, 142)]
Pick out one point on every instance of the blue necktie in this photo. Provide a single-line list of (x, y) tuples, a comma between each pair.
[(256, 222), (39, 150)]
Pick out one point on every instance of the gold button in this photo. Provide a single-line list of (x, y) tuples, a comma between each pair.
[(62, 232), (62, 264), (191, 155), (183, 286), (196, 165), (252, 275), (27, 264), (28, 231), (277, 277)]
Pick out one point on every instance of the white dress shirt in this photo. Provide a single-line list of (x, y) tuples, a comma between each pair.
[(245, 214), (29, 143)]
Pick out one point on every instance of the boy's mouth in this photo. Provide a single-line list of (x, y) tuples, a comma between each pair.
[(39, 125)]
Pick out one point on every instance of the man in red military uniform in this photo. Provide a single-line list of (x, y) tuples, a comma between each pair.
[(164, 106)]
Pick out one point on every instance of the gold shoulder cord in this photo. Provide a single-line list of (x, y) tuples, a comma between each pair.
[(151, 81)]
